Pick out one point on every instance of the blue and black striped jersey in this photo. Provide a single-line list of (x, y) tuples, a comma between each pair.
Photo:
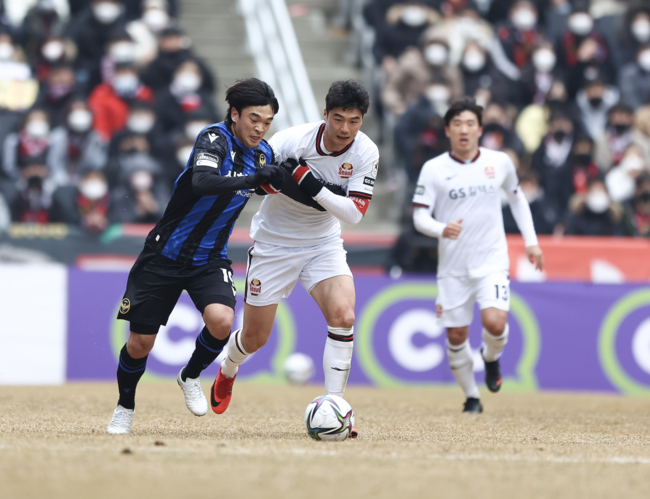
[(195, 228)]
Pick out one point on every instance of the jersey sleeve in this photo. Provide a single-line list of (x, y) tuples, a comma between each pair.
[(425, 194), (362, 182), (210, 151), (511, 180), (284, 146)]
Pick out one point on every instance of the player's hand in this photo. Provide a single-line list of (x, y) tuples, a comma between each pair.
[(302, 174), (266, 175), (535, 255), (452, 230)]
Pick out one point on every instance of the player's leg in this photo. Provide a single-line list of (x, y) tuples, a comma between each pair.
[(494, 301), (336, 298)]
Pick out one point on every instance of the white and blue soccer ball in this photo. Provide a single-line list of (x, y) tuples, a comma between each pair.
[(299, 369), (329, 418)]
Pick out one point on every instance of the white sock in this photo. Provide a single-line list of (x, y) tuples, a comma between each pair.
[(337, 359), (462, 365), (493, 345), (235, 355)]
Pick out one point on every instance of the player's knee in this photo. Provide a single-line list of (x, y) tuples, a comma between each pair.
[(219, 326), (495, 325), (252, 343), (456, 335), (139, 345), (343, 317)]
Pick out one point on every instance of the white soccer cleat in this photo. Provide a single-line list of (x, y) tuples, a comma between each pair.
[(194, 398), (121, 422)]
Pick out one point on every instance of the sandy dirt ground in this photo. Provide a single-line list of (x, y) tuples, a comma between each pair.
[(413, 443)]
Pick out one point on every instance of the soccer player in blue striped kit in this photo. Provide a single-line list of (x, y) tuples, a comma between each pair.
[(188, 248)]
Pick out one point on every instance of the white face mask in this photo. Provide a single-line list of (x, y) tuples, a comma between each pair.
[(122, 52), (106, 12), (125, 83), (474, 61), (632, 164), (414, 16), (187, 82), (140, 122), (155, 19), (6, 51), (93, 189), (141, 181), (544, 60), (183, 154), (438, 93), (53, 50), (435, 54), (597, 201), (641, 30), (524, 19), (80, 120), (580, 23), (193, 128), (37, 129), (644, 60)]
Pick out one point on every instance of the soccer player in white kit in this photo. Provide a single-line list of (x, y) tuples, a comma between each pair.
[(296, 241), (462, 189)]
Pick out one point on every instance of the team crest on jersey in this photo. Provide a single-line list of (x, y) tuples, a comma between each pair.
[(438, 310), (345, 170), (375, 169), (125, 306), (489, 172), (255, 287), (262, 160)]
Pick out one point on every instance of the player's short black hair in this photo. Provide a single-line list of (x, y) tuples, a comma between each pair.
[(250, 92), (347, 94), (464, 104)]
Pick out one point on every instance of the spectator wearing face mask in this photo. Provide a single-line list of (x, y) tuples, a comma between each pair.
[(34, 198), (79, 146), (85, 204), (582, 51), (415, 70), (91, 32), (634, 79), (594, 101), (516, 40), (554, 150), (498, 133), (57, 92), (142, 121), (611, 146), (633, 32), (636, 221), (173, 50), (477, 69), (183, 96), (593, 213), (40, 22), (140, 197), (147, 28), (539, 76), (110, 101), (621, 179), (120, 49), (543, 212), (397, 26), (127, 144), (32, 142), (55, 51)]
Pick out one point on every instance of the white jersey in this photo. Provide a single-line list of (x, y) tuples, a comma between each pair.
[(281, 221), (453, 189)]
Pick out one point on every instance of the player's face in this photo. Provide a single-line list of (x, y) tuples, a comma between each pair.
[(253, 123), (464, 132), (341, 127)]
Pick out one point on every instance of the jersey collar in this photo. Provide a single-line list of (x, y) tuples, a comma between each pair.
[(319, 149), (451, 155)]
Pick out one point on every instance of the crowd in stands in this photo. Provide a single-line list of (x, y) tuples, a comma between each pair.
[(100, 103), (565, 86)]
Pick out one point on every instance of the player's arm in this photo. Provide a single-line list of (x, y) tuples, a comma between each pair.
[(523, 217), (207, 161), (424, 200)]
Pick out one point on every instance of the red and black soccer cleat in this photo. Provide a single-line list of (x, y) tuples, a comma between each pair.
[(221, 393), (492, 375)]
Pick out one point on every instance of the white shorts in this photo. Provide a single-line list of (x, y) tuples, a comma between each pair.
[(272, 271), (456, 297)]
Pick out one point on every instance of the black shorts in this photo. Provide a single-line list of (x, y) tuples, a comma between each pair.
[(156, 282)]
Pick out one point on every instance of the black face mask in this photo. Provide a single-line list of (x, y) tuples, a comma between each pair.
[(559, 135), (582, 159), (644, 197), (621, 129), (596, 101), (35, 183)]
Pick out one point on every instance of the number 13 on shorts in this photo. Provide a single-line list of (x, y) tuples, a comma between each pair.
[(494, 291)]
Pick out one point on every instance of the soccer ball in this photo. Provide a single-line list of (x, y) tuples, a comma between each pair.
[(298, 369), (329, 418)]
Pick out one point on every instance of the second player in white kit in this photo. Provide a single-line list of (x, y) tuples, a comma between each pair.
[(298, 236), (462, 190)]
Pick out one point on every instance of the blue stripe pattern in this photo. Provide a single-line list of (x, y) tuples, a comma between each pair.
[(175, 242), (131, 370)]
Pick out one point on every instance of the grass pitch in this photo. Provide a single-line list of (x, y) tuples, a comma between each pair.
[(413, 443)]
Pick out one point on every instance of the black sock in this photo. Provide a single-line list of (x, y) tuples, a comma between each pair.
[(129, 372), (207, 349)]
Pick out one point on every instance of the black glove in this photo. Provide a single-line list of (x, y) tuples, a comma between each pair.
[(303, 176), (267, 175)]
